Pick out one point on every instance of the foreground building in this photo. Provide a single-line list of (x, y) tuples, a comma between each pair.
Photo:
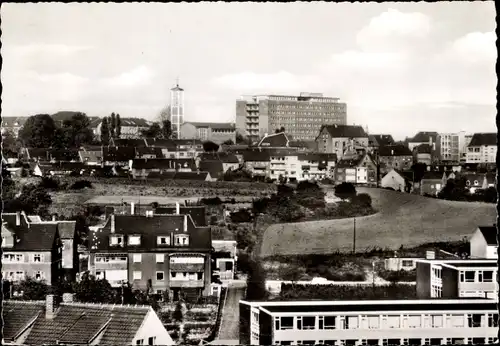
[(337, 139), (372, 322), (482, 148), (302, 116), (70, 323), (214, 132)]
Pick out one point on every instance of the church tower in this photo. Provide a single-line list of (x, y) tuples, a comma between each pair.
[(176, 109)]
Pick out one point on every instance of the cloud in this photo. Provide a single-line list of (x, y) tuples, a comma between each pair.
[(282, 81), (392, 29), (137, 77), (367, 60), (473, 48), (51, 49)]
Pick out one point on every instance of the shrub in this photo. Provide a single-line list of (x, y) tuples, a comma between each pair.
[(50, 183), (345, 191), (364, 200), (398, 275), (81, 184), (241, 216)]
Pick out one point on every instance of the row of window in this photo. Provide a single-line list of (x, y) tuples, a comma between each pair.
[(20, 275), (135, 240), (10, 257), (476, 276), (387, 342), (151, 341), (386, 321), (160, 276)]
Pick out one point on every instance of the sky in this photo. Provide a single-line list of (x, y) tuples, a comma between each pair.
[(400, 67)]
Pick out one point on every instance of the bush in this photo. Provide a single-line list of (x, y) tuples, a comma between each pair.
[(345, 191), (364, 200), (211, 201), (81, 184), (398, 275), (50, 183), (241, 216)]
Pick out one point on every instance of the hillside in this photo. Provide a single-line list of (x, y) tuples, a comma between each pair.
[(403, 219)]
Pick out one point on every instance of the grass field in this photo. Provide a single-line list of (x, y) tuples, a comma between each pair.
[(402, 219)]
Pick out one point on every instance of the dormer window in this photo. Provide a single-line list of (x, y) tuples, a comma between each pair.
[(116, 240), (134, 240), (37, 258), (163, 240), (182, 240)]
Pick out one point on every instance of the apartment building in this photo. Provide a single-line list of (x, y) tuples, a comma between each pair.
[(337, 139), (166, 253), (394, 157), (298, 166), (457, 278), (483, 243), (357, 169), (302, 116), (450, 147), (214, 132), (369, 322), (482, 148), (30, 249)]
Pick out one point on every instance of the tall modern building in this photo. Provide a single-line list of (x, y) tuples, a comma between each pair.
[(452, 147), (176, 110), (302, 116)]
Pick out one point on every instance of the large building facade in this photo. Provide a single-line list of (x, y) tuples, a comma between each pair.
[(302, 116), (451, 147)]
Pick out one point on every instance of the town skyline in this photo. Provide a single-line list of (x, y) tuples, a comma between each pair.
[(363, 54)]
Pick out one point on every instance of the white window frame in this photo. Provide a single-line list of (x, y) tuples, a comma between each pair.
[(40, 257), (185, 237), (137, 275), (137, 258), (134, 240), (160, 258), (167, 239), (116, 240)]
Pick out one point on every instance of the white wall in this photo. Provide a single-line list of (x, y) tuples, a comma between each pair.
[(478, 245), (152, 327)]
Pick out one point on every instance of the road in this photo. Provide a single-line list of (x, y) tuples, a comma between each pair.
[(229, 329)]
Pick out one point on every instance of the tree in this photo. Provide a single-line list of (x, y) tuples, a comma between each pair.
[(419, 170), (228, 142), (280, 130), (363, 200), (164, 114), (310, 195), (154, 131), (240, 139), (256, 281), (32, 289), (166, 129), (33, 199), (92, 290), (455, 190), (105, 131), (112, 125), (38, 131), (10, 145), (209, 146), (345, 191), (77, 130), (118, 130)]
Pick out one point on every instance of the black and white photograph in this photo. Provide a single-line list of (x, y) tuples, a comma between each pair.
[(249, 173)]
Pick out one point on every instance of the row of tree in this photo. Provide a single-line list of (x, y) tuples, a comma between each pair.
[(111, 128)]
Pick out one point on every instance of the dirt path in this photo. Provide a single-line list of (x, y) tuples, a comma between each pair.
[(229, 329)]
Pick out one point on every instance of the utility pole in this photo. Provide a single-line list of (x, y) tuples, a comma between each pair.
[(354, 238)]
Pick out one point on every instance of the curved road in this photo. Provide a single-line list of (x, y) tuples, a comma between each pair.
[(229, 329)]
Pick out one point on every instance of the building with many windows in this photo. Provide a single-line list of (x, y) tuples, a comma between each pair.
[(369, 322), (214, 132), (166, 253), (450, 147), (302, 116), (338, 139), (482, 148)]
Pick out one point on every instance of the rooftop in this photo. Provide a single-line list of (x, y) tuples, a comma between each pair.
[(479, 139), (489, 233), (345, 131)]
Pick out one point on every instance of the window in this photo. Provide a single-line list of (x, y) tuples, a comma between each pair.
[(474, 320), (306, 322), (116, 240), (182, 240), (139, 342), (160, 258), (393, 321), (134, 240), (326, 322), (39, 275), (486, 276), (414, 321), (436, 272), (351, 322), (283, 323), (493, 320), (467, 276), (13, 257), (37, 257), (137, 275), (99, 275), (151, 340), (436, 321), (163, 240), (160, 276), (137, 258), (373, 322), (407, 263)]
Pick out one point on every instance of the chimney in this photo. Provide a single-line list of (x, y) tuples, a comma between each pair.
[(112, 223), (50, 306), (18, 218), (185, 223), (177, 208), (54, 217), (67, 297), (132, 208), (392, 152)]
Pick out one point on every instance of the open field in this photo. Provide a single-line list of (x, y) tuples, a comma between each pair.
[(403, 219)]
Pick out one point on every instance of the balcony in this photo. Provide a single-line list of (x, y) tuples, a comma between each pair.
[(187, 283)]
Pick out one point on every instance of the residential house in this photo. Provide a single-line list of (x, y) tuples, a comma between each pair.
[(377, 141), (457, 278), (423, 154), (165, 253), (130, 127), (141, 168), (423, 137), (258, 162), (394, 157), (13, 124), (69, 260), (36, 154), (283, 163), (60, 169), (148, 153), (214, 132), (196, 176), (214, 168), (63, 155), (186, 148), (167, 146), (197, 212), (337, 138), (91, 157), (368, 322), (479, 181), (275, 140), (304, 146), (30, 249), (70, 323), (482, 148), (315, 166), (128, 142), (118, 156), (432, 182), (360, 169), (225, 258), (483, 243), (229, 161), (398, 180)]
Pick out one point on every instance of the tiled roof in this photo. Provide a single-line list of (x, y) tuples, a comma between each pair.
[(91, 155), (36, 237), (197, 176), (432, 175), (134, 122), (64, 155), (187, 142), (489, 233), (95, 122), (394, 150), (18, 315), (423, 137), (38, 153), (118, 154), (256, 155), (161, 143), (221, 126), (479, 139), (317, 157), (34, 218), (311, 145), (161, 175), (215, 168), (275, 140), (13, 121), (77, 323), (149, 228), (197, 213), (345, 131), (163, 164), (349, 163), (235, 148), (140, 151), (219, 156), (382, 140), (68, 166), (423, 149), (129, 142)]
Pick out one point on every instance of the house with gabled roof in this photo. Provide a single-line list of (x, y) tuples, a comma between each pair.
[(275, 140), (13, 124), (359, 169), (395, 156), (336, 139), (482, 148), (432, 182), (91, 157), (52, 322), (128, 142), (36, 154), (483, 242), (229, 160), (117, 156), (165, 253), (214, 132), (141, 168), (130, 127), (423, 137), (257, 161), (30, 249), (398, 180), (376, 141), (213, 167)]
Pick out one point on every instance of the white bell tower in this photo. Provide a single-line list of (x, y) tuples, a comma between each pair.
[(176, 109)]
